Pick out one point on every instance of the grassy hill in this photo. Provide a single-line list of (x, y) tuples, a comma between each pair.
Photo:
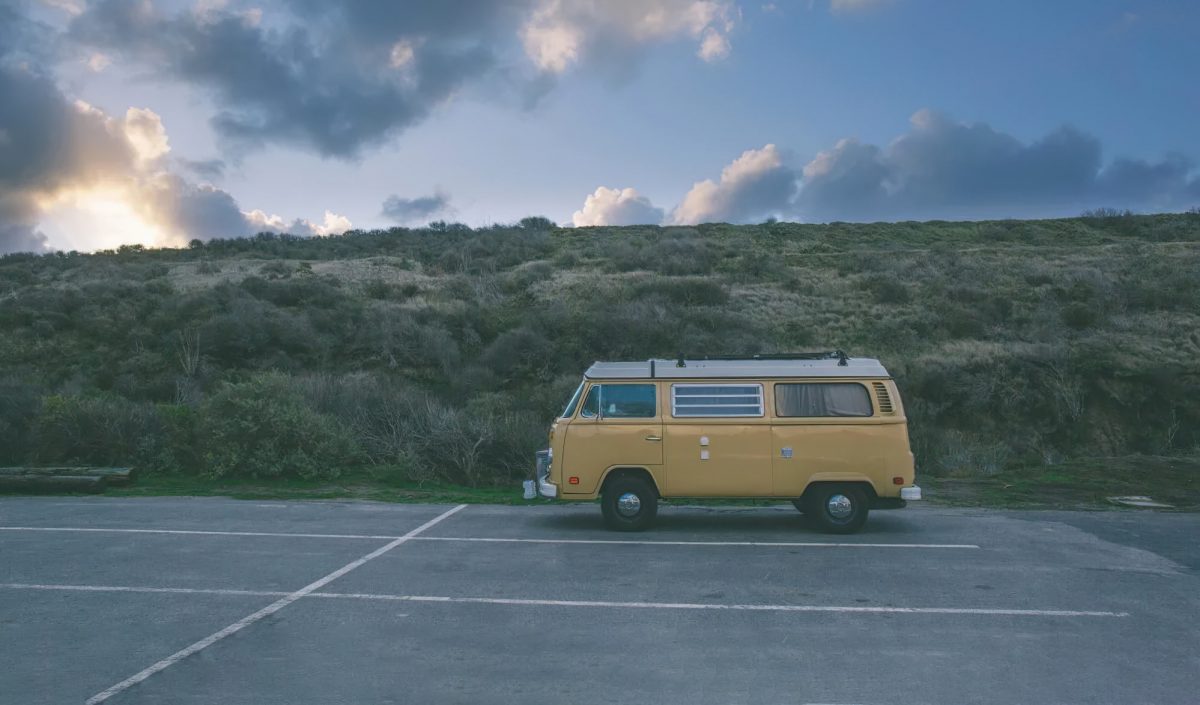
[(440, 354)]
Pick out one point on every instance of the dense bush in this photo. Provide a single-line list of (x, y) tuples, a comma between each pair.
[(264, 428), (441, 353)]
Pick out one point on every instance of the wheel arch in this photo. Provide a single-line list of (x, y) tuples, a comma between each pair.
[(629, 471), (866, 487)]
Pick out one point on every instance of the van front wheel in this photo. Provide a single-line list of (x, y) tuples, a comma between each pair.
[(629, 504), (837, 509)]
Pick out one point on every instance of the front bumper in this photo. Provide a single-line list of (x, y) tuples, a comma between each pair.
[(545, 488), (910, 494)]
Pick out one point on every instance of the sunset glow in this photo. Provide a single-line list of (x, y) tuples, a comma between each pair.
[(102, 218)]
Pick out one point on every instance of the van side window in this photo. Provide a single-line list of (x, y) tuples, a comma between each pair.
[(621, 401), (716, 400), (815, 399)]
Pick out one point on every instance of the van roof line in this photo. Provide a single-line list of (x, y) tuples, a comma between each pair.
[(741, 367), (838, 355)]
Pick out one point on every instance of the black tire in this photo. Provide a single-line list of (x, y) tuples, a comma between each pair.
[(819, 507), (618, 515), (799, 505)]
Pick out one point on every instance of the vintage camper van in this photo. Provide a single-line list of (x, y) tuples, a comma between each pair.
[(823, 430)]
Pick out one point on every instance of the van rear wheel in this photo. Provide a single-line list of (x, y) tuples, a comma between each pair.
[(799, 505), (837, 509), (629, 504)]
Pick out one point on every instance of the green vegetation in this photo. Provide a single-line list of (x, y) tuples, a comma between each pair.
[(436, 357)]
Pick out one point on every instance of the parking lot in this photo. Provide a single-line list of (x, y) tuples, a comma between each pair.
[(226, 601)]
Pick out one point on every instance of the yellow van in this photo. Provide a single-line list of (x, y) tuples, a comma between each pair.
[(823, 430)]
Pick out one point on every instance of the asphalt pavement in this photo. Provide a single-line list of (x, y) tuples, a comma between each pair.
[(203, 600)]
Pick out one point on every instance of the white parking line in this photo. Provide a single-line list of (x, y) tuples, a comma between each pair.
[(635, 542), (619, 542), (190, 532), (264, 612), (859, 609), (712, 606), (138, 588)]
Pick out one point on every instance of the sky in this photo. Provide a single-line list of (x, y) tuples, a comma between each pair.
[(156, 122)]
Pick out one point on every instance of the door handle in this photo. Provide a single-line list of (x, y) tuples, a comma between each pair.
[(654, 438)]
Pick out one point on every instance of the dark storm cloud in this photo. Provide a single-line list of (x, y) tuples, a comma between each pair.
[(50, 145), (210, 169), (410, 210), (945, 169), (203, 212), (331, 78), (46, 144)]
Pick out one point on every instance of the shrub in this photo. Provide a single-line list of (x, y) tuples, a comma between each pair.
[(887, 289), (688, 291), (99, 430), (264, 428), (19, 402), (1079, 316)]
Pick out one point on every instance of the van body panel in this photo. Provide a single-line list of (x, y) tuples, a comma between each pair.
[(593, 446), (802, 453), (717, 460)]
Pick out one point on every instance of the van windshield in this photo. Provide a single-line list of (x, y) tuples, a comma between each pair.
[(570, 410)]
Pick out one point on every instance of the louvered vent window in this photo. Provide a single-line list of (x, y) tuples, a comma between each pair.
[(885, 399), (716, 400)]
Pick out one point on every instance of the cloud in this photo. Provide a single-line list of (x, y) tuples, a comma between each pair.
[(559, 34), (50, 145), (420, 209), (59, 155), (755, 185), (328, 80), (610, 206), (332, 224), (209, 169), (339, 78), (946, 169)]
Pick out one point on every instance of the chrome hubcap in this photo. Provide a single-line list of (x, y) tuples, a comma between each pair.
[(628, 504), (840, 506)]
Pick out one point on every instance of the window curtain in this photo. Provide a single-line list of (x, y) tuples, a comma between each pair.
[(843, 399)]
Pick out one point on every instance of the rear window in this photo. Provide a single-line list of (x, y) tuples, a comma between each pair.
[(621, 401), (699, 400), (817, 399)]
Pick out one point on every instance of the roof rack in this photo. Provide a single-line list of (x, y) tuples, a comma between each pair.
[(838, 355)]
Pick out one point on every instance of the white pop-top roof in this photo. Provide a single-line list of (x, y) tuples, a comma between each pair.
[(749, 368)]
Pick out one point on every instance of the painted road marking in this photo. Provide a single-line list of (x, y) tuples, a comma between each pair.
[(634, 542), (141, 589), (712, 606), (859, 609), (473, 539), (264, 612), (190, 532)]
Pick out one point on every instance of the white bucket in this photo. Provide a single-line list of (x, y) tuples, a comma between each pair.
[(530, 490)]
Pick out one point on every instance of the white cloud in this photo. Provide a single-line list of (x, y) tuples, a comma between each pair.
[(551, 41), (145, 132), (402, 54), (714, 47), (558, 34), (610, 206), (755, 185), (332, 224), (97, 62)]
